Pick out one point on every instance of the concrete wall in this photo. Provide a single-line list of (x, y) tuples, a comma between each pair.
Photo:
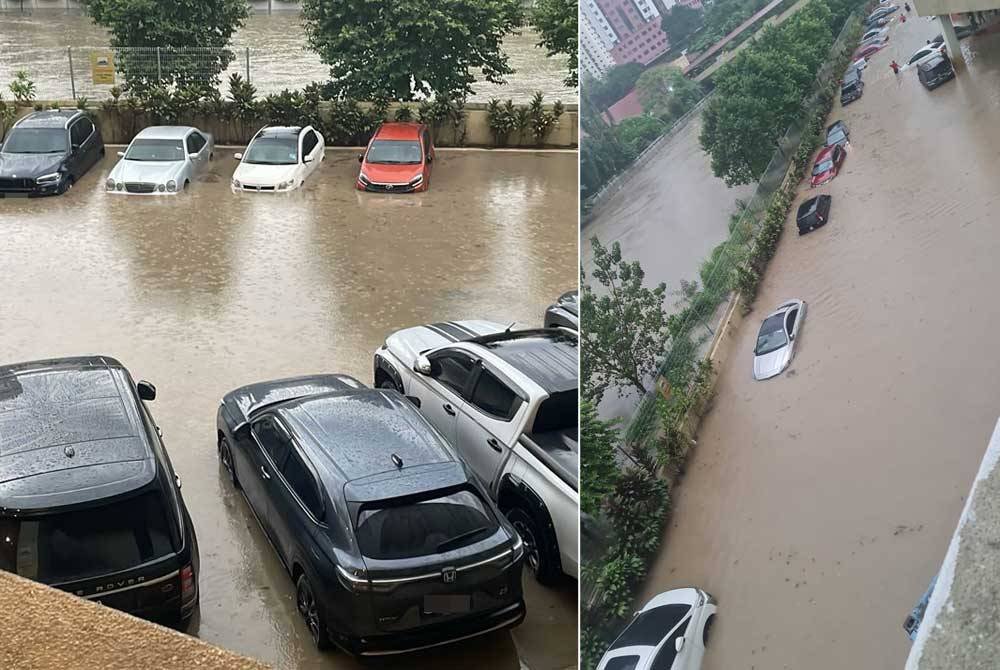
[(46, 629), (939, 7), (118, 129)]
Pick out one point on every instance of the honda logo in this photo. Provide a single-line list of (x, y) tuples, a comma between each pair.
[(449, 575)]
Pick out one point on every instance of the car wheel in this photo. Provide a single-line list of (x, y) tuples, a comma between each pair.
[(707, 629), (67, 186), (226, 460), (539, 556), (311, 613)]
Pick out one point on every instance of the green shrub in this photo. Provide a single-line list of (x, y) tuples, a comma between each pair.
[(23, 88)]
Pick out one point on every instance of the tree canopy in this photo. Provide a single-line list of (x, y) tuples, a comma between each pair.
[(598, 469), (666, 93), (638, 132), (556, 22), (397, 50), (618, 81), (679, 23)]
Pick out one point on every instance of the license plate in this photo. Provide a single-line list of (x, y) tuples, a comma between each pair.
[(447, 604)]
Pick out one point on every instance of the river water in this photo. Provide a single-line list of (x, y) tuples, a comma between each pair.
[(818, 505), (278, 57), (206, 291)]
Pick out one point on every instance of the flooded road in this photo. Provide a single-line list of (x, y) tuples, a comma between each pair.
[(206, 291), (278, 57), (819, 504), (669, 216)]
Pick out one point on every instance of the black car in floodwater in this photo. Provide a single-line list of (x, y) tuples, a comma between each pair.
[(565, 312), (89, 502), (936, 71), (45, 153), (813, 213), (851, 86), (392, 543)]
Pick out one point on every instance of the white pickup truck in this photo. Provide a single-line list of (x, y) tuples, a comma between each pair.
[(507, 400)]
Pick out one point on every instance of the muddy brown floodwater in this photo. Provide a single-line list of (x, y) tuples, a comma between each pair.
[(819, 504), (206, 291)]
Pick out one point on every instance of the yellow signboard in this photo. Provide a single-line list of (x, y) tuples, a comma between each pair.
[(102, 67)]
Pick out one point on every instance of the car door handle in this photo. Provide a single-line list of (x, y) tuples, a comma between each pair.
[(449, 409), (264, 473), (494, 444)]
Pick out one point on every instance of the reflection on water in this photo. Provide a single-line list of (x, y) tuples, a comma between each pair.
[(279, 58), (208, 290)]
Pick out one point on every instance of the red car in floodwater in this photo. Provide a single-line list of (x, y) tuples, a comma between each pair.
[(398, 159), (827, 164), (868, 51)]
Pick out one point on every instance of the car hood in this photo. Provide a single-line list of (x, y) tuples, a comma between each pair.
[(769, 365), (409, 343), (29, 166), (391, 174), (155, 172), (264, 175)]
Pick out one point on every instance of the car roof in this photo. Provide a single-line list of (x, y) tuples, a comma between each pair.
[(399, 130), (824, 153), (278, 131), (52, 118), (165, 132), (352, 434), (549, 357), (70, 432), (932, 62)]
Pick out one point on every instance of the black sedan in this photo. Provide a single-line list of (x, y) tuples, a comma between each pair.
[(837, 134), (813, 213), (45, 153)]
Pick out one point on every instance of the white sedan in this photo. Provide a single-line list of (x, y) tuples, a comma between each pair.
[(161, 160), (776, 339), (279, 158), (924, 54), (669, 633)]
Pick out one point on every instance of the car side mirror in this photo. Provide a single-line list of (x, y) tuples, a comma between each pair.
[(238, 156), (307, 159), (177, 480), (679, 644), (361, 158), (422, 365), (146, 390), (75, 148), (414, 399), (121, 154), (430, 158), (193, 155)]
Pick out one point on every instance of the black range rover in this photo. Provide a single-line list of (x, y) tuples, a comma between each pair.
[(89, 502), (392, 544), (45, 153)]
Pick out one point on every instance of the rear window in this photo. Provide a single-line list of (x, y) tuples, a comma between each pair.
[(81, 544), (622, 663), (557, 412), (418, 528), (651, 626)]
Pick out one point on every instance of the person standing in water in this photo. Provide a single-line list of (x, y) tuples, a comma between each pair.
[(895, 67)]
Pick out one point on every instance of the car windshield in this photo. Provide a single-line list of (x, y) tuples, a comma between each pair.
[(82, 543), (273, 151), (836, 135), (650, 627), (772, 335), (36, 141), (630, 662), (406, 152), (825, 166), (433, 525), (155, 150)]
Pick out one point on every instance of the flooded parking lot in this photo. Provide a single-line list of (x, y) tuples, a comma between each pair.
[(209, 290), (819, 504)]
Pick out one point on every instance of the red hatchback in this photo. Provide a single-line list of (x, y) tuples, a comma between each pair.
[(868, 51), (398, 159), (827, 164)]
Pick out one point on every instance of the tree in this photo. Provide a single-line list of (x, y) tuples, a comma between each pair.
[(598, 468), (638, 132), (396, 50), (556, 21), (679, 23), (665, 92), (625, 329), (619, 80), (178, 24)]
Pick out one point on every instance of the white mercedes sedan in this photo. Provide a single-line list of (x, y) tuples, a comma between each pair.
[(161, 160), (776, 339), (278, 159)]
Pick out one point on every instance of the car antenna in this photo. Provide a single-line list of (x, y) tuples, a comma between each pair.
[(397, 461), (512, 324)]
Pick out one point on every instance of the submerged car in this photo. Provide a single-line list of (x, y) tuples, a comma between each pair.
[(565, 312), (851, 86), (398, 159), (874, 32), (867, 51), (911, 625), (391, 541), (776, 339), (813, 213), (827, 164), (161, 160), (45, 153), (837, 134), (89, 502), (670, 632), (279, 158), (924, 54), (936, 71)]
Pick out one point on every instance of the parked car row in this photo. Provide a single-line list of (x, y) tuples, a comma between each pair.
[(46, 152), (403, 520)]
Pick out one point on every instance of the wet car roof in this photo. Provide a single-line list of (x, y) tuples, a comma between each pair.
[(68, 434), (280, 131), (547, 358), (56, 118), (165, 132)]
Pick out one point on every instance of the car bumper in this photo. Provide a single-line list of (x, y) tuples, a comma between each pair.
[(435, 635), (389, 188), (33, 191)]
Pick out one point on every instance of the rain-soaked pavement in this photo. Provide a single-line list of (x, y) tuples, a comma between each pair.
[(668, 215), (819, 504), (208, 290)]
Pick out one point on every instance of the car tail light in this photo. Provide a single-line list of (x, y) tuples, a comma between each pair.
[(188, 587)]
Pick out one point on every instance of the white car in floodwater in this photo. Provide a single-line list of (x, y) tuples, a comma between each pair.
[(670, 632), (776, 339), (161, 160), (279, 158)]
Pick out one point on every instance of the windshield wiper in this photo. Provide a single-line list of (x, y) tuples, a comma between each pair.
[(456, 541)]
